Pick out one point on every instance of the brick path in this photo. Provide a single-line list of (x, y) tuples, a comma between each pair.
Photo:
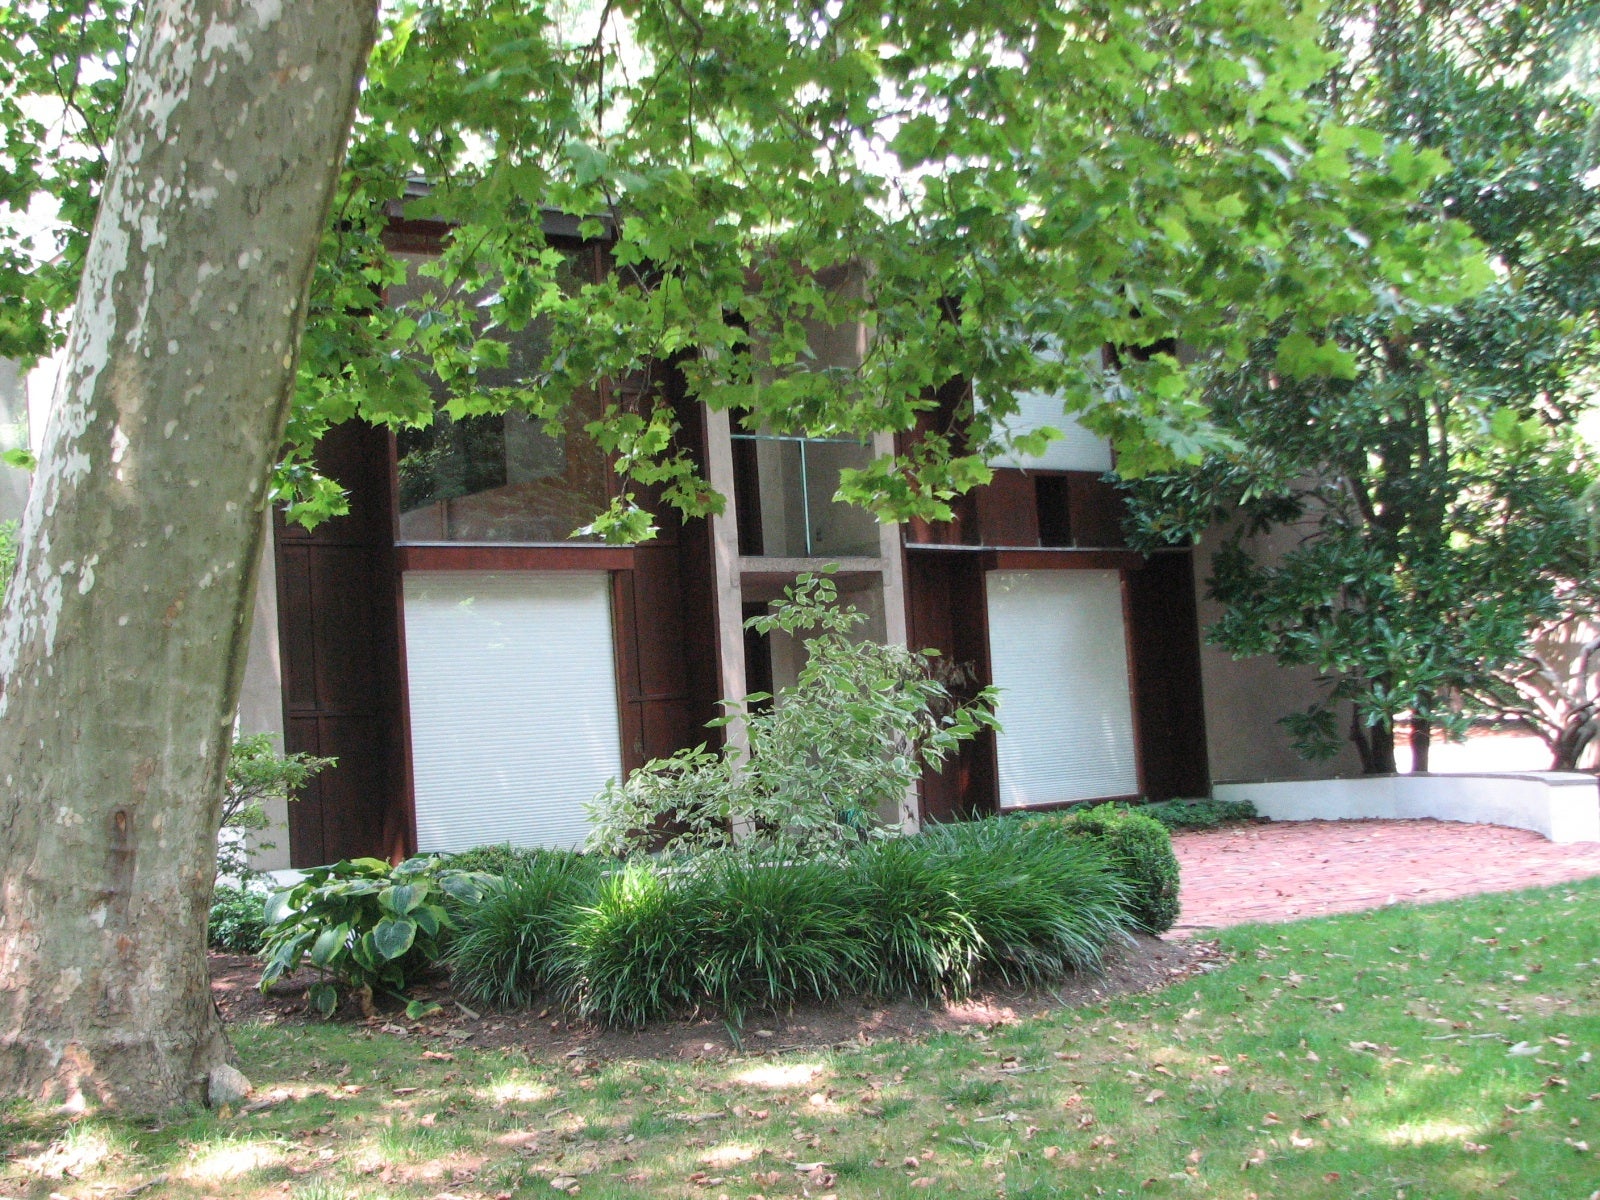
[(1290, 869)]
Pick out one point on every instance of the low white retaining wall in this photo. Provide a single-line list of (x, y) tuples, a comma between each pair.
[(1563, 807)]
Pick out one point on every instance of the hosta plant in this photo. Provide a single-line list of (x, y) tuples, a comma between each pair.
[(366, 926)]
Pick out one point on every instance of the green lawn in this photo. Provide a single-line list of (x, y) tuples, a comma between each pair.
[(1427, 1053)]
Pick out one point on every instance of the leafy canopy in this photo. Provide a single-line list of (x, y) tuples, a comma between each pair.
[(976, 183), (1404, 519)]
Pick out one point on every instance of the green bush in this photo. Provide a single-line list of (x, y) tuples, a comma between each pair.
[(1140, 848), (238, 921), (507, 947), (365, 925), (921, 940), (773, 933), (831, 756), (1199, 814), (503, 859), (1044, 904), (256, 773), (629, 957)]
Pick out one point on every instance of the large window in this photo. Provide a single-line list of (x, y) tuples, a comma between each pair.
[(499, 477), (785, 498), (513, 692), (1058, 651)]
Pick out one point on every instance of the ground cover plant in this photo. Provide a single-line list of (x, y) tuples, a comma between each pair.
[(1140, 849), (1446, 1052), (1204, 813), (924, 916)]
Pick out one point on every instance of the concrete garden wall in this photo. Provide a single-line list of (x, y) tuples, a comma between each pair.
[(1563, 807)]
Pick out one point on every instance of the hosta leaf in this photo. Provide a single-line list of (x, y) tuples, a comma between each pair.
[(393, 936)]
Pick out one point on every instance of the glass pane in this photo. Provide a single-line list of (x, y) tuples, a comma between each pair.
[(504, 477), (789, 485)]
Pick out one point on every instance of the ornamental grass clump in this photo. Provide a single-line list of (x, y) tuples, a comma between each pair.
[(920, 938), (1044, 905), (510, 945), (772, 933)]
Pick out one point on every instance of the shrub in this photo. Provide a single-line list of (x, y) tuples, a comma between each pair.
[(1140, 848), (507, 947), (845, 743), (238, 921), (8, 555), (1043, 903), (1199, 814), (772, 933), (920, 938), (503, 859), (630, 956), (365, 925), (256, 773)]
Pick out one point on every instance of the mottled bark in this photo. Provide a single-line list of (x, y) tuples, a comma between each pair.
[(124, 636)]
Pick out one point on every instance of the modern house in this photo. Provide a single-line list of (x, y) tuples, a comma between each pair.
[(479, 674)]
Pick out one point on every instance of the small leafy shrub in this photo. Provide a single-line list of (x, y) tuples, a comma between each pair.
[(773, 932), (1044, 904), (508, 947), (238, 921), (8, 555), (1184, 815), (256, 773), (503, 859), (830, 754), (630, 956), (920, 938), (1140, 848), (365, 925)]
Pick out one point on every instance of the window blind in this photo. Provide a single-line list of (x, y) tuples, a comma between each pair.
[(1059, 655), (513, 704), (1077, 450)]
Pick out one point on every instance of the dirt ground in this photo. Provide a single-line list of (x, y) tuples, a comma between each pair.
[(545, 1036)]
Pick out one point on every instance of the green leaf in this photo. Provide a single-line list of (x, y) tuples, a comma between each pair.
[(20, 458), (328, 944), (392, 936), (417, 1009), (402, 897), (277, 909), (324, 997)]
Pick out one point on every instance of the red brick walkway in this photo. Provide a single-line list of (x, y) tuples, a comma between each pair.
[(1291, 869)]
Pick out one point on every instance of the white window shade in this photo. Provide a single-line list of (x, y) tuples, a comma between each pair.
[(1077, 450), (513, 695), (1058, 652)]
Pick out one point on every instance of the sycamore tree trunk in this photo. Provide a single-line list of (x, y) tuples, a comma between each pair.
[(123, 639)]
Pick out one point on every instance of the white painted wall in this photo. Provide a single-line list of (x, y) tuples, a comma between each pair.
[(1564, 807)]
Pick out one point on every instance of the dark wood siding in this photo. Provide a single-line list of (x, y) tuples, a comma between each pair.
[(947, 611), (1164, 643), (339, 634)]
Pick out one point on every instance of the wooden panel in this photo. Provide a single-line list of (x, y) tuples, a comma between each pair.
[(942, 419), (1095, 510), (299, 660), (515, 558), (946, 612), (1168, 702), (1008, 510), (656, 575), (1063, 560), (339, 637)]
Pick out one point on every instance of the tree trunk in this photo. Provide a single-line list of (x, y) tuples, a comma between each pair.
[(1421, 743), (1375, 746), (123, 640)]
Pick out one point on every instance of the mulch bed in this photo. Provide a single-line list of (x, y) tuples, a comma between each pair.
[(547, 1036)]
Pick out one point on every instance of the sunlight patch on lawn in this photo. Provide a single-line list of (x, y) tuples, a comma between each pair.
[(776, 1075), (229, 1160), (516, 1090), (729, 1154), (1422, 1133)]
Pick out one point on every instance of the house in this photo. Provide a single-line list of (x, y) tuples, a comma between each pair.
[(479, 674)]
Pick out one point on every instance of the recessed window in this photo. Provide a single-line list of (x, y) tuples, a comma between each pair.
[(784, 496), (500, 477)]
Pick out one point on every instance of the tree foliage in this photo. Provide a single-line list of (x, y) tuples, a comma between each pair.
[(991, 181), (1420, 466)]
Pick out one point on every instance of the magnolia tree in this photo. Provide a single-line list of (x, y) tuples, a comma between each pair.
[(1422, 460), (1007, 188)]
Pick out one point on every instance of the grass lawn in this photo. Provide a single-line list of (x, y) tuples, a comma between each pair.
[(1422, 1053)]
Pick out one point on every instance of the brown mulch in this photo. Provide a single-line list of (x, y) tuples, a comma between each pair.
[(547, 1036)]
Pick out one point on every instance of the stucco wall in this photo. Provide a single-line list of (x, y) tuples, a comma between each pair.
[(261, 701), (1244, 698)]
